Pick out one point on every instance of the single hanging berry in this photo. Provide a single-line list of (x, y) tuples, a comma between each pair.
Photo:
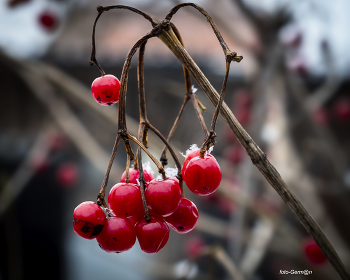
[(105, 90), (152, 236), (118, 235), (185, 217), (203, 175), (88, 219)]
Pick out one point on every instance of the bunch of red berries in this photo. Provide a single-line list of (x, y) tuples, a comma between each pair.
[(164, 200)]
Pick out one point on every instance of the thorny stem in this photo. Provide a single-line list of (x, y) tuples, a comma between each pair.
[(210, 140), (257, 156), (157, 163), (189, 95), (101, 196)]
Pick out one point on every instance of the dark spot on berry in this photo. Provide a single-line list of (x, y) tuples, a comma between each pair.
[(126, 214), (97, 230), (205, 188), (99, 99), (115, 239), (180, 227), (117, 252), (108, 94), (87, 227), (109, 103)]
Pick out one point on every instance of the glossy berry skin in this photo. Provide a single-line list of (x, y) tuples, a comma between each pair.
[(105, 90), (191, 155), (88, 220), (152, 236), (118, 235), (125, 199), (163, 196), (134, 175), (313, 252), (203, 175), (185, 217)]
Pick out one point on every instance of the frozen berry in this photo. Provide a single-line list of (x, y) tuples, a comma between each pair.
[(185, 217), (118, 235), (88, 219), (203, 175), (163, 196), (152, 236), (191, 155), (134, 175), (105, 90), (125, 199)]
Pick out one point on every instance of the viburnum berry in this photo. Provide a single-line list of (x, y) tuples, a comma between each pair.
[(134, 175), (163, 196), (49, 21), (185, 217), (88, 219), (118, 235), (313, 252), (152, 236), (125, 199), (203, 175), (191, 155), (105, 90)]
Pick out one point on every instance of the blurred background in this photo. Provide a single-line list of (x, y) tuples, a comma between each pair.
[(290, 92)]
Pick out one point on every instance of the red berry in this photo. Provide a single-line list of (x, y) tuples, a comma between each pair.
[(125, 199), (118, 235), (67, 174), (152, 236), (313, 252), (48, 20), (341, 109), (105, 90), (134, 174), (203, 175), (163, 196), (185, 217), (88, 219), (194, 246), (191, 155)]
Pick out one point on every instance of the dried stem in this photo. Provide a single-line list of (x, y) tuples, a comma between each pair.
[(142, 188), (157, 163), (257, 156), (189, 95), (210, 140), (101, 196)]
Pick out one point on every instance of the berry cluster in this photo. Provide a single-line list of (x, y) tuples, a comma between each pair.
[(165, 202)]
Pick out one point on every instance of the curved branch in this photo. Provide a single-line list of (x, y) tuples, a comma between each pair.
[(222, 42)]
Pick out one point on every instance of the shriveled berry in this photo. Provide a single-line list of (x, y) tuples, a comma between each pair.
[(163, 196), (134, 175), (118, 235), (185, 217), (125, 199), (88, 219), (203, 175), (152, 236), (105, 90)]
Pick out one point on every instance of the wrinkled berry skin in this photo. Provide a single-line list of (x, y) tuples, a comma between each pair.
[(118, 235), (125, 199), (105, 90), (163, 196), (88, 220), (203, 175), (152, 236), (184, 219), (134, 174)]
